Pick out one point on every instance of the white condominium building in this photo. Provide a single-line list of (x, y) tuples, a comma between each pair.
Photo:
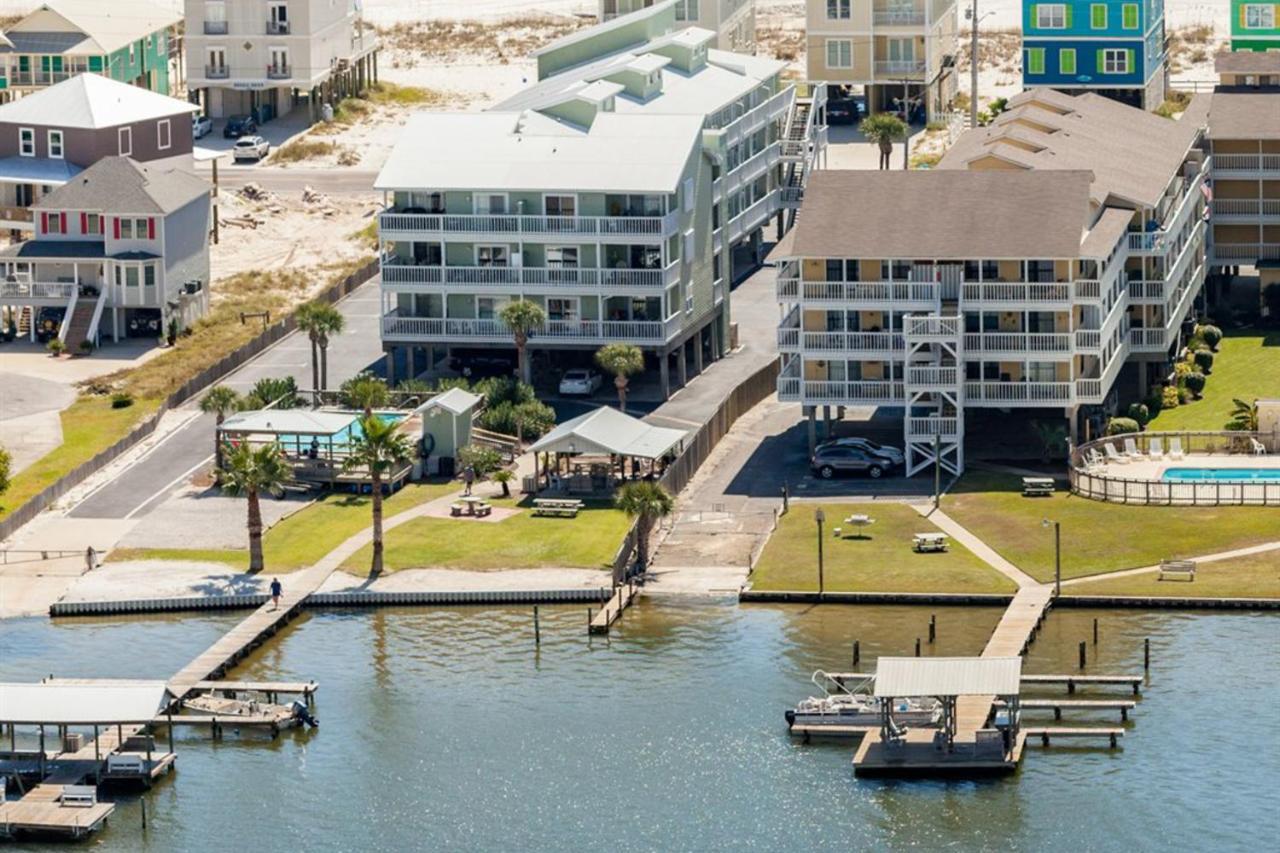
[(612, 194), (733, 21), (1045, 252)]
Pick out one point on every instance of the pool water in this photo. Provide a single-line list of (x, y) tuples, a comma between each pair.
[(339, 440), (1222, 475)]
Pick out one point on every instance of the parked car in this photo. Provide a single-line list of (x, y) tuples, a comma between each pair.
[(201, 126), (580, 381), (49, 323), (829, 461), (893, 454), (842, 112), (250, 148), (474, 366), (238, 126)]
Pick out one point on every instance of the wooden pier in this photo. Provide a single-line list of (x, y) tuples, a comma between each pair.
[(1046, 734), (1074, 681), (1124, 706), (612, 611), (272, 689)]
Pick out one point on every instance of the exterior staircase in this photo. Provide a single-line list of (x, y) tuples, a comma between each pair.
[(933, 429), (82, 322)]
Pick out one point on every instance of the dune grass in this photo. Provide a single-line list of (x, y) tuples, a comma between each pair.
[(1096, 536), (1256, 576), (301, 539), (89, 425), (881, 560)]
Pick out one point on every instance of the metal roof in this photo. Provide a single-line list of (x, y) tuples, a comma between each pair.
[(91, 101), (55, 250), (289, 422), (104, 26), (455, 401), (912, 677), (35, 170), (609, 432), (80, 704)]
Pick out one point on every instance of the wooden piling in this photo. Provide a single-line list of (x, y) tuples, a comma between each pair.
[(1146, 654), (933, 627), (917, 647), (537, 628), (857, 653), (1082, 654), (143, 801), (1095, 632)]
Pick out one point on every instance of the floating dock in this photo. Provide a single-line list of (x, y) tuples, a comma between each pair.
[(612, 611)]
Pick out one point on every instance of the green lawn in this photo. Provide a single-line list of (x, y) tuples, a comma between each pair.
[(89, 426), (1246, 366), (1096, 536), (304, 537), (523, 541), (1257, 576), (883, 561)]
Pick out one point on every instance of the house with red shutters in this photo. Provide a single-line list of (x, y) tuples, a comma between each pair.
[(120, 250)]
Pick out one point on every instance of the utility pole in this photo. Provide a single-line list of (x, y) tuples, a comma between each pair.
[(973, 69)]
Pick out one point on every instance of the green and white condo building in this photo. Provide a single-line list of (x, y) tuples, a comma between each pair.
[(612, 193)]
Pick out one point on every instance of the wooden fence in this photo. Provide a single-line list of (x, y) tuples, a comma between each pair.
[(229, 363)]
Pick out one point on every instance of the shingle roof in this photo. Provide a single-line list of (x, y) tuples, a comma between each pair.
[(1245, 115), (108, 25), (120, 185), (54, 249), (1133, 154), (948, 214), (1247, 62), (91, 101)]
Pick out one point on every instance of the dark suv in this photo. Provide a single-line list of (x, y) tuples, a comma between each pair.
[(833, 459), (238, 126)]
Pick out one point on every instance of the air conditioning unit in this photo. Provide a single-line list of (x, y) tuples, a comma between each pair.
[(192, 287)]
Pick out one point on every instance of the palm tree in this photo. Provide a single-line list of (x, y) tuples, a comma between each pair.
[(319, 320), (523, 317), (220, 400), (248, 473), (645, 501), (365, 391), (1244, 416), (379, 448), (884, 129), (622, 360)]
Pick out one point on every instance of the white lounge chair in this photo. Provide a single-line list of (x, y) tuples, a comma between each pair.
[(1113, 456), (1155, 448), (1259, 449), (1175, 448), (1131, 449), (1093, 459)]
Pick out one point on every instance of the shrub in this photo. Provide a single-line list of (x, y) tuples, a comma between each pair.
[(1121, 426), (1140, 413), (1181, 369), (485, 460), (86, 346), (530, 420), (1184, 395), (504, 389), (56, 346), (271, 389), (1195, 384), (1169, 397), (121, 400), (1271, 298), (1212, 336), (1154, 403), (6, 466), (1204, 360)]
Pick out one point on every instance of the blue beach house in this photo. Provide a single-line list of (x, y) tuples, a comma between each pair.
[(1114, 47)]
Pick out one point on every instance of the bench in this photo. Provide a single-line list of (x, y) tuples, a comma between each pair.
[(125, 764), (1037, 486), (558, 507), (1184, 568), (457, 509), (79, 796), (481, 510), (928, 542)]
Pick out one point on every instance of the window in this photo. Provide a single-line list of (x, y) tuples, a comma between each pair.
[(901, 50), (27, 142), (839, 53), (55, 144), (148, 275), (1115, 61), (1129, 16), (149, 43), (491, 203), (1259, 16), (124, 229), (491, 256), (125, 137), (53, 223), (838, 10), (164, 134), (561, 205), (687, 10), (1051, 16), (1067, 60), (1098, 16), (1035, 60), (486, 307), (560, 308), (279, 61), (93, 223), (217, 61), (133, 52), (562, 257)]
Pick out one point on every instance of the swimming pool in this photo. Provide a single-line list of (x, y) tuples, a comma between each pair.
[(1221, 475), (340, 440)]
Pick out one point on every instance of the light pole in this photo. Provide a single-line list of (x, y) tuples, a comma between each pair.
[(972, 14), (1057, 555), (819, 516)]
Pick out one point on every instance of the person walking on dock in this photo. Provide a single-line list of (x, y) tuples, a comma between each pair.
[(468, 478), (276, 591)]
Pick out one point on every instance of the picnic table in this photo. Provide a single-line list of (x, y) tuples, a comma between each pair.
[(927, 542), (1037, 486), (561, 507), (857, 522), (471, 505)]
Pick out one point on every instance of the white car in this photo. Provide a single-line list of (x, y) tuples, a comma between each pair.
[(250, 148), (581, 382), (201, 126)]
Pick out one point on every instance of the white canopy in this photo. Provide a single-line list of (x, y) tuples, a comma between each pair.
[(610, 432), (80, 704), (910, 677), (289, 422)]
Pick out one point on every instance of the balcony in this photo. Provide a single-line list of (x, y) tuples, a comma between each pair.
[(1245, 210), (899, 17), (396, 326), (1018, 392), (1244, 165), (930, 376), (943, 329), (33, 292), (277, 28), (16, 217), (279, 72), (217, 72), (1017, 292), (1147, 340), (864, 392), (395, 271), (899, 67), (624, 226), (886, 293), (931, 426), (215, 28), (840, 342), (1017, 342), (1247, 252)]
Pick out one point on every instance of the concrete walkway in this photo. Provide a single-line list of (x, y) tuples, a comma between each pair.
[(984, 551), (1145, 570)]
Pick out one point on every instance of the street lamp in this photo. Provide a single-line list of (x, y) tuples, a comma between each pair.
[(819, 516), (1057, 555)]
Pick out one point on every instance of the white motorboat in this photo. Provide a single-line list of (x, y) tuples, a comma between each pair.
[(841, 705)]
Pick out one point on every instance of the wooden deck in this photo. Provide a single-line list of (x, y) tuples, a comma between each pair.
[(40, 812), (1074, 681), (1047, 734), (1124, 706), (612, 611), (305, 689)]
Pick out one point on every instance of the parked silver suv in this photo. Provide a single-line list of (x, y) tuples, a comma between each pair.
[(832, 459), (893, 454)]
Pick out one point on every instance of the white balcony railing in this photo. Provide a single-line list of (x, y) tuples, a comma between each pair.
[(1147, 339), (1226, 163), (1087, 288), (1017, 292), (1246, 208), (656, 331), (1246, 251), (905, 67), (1146, 291), (857, 392), (400, 273), (1015, 392), (1018, 342), (932, 426), (929, 375), (515, 224), (51, 290), (899, 17), (932, 327), (858, 291)]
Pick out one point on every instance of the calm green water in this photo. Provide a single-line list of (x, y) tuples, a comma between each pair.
[(445, 729)]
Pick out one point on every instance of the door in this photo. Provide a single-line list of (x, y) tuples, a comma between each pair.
[(491, 204)]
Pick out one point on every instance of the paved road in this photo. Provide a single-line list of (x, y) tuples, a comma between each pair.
[(145, 485)]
